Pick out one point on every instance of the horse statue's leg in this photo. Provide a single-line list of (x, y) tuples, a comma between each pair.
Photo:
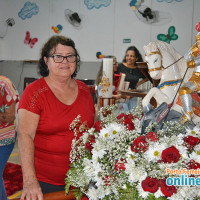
[(159, 96), (185, 93), (159, 115)]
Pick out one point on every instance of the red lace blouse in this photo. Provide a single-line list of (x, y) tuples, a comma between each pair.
[(53, 138)]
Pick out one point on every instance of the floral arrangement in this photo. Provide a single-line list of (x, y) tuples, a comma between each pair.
[(112, 160)]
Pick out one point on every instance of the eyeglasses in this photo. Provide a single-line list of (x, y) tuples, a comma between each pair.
[(60, 59)]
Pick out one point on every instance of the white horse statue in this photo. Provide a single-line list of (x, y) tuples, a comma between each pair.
[(166, 64)]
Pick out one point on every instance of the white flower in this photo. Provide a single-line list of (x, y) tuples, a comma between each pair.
[(93, 193), (104, 133), (195, 155), (195, 132), (117, 127), (135, 173), (182, 151), (131, 155), (98, 150), (154, 151), (97, 168), (85, 137), (184, 192), (177, 140), (111, 131), (100, 192), (158, 193), (88, 168)]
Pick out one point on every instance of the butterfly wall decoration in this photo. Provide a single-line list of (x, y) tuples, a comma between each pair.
[(29, 41), (170, 36)]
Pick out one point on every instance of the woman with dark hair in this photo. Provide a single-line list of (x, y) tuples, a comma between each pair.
[(133, 74), (46, 109)]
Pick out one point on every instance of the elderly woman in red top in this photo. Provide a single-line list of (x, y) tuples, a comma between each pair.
[(8, 99), (46, 110)]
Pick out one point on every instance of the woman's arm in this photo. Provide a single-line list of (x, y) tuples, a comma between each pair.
[(27, 126), (9, 114)]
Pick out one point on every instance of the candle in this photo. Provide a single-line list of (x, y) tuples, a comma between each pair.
[(107, 78), (121, 82)]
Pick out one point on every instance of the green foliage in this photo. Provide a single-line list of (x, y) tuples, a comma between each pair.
[(77, 193), (129, 193), (152, 197)]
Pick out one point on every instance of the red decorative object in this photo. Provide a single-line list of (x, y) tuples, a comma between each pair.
[(13, 178), (198, 27)]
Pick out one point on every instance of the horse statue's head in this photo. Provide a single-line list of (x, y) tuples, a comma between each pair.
[(159, 55), (153, 58)]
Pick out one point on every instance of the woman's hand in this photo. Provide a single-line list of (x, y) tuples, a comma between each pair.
[(31, 191), (9, 114), (117, 96)]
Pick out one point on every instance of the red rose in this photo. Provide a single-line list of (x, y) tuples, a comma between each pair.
[(191, 141), (150, 184), (130, 125), (120, 165), (153, 137), (139, 145), (122, 115), (97, 126), (91, 140), (170, 155), (88, 146), (127, 120), (193, 165), (168, 191), (130, 116)]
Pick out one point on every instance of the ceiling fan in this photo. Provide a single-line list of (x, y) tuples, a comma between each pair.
[(4, 26), (73, 17)]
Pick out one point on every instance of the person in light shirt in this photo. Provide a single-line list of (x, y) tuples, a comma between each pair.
[(9, 98)]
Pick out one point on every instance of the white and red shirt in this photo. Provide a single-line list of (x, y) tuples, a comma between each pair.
[(8, 95)]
